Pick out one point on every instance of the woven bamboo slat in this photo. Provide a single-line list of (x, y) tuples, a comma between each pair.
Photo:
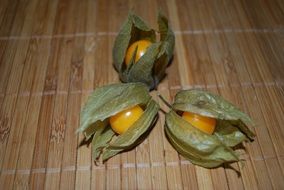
[(53, 54)]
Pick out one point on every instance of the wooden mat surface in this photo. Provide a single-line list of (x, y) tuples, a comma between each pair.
[(53, 53)]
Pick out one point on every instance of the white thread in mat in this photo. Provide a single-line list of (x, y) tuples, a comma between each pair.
[(143, 165), (62, 92), (209, 86), (185, 162), (83, 168), (128, 165), (177, 87), (69, 168), (157, 164), (269, 157), (185, 32), (100, 167), (50, 92), (53, 170), (39, 170), (229, 30), (107, 33), (87, 34), (172, 163), (76, 92), (37, 94), (113, 166), (24, 172), (25, 94), (87, 168), (8, 172), (214, 86)]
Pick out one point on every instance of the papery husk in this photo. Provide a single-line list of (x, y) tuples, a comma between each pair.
[(200, 148), (151, 67), (107, 101)]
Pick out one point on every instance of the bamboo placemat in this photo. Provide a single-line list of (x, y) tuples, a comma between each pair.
[(54, 53)]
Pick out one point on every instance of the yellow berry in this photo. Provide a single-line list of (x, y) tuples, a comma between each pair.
[(205, 124), (121, 121), (142, 46)]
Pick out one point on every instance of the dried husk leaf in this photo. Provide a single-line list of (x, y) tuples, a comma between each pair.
[(166, 49), (132, 30), (188, 155), (150, 68), (210, 105), (200, 148), (109, 100), (228, 133), (101, 139), (166, 35), (94, 127), (142, 70), (135, 134), (197, 146)]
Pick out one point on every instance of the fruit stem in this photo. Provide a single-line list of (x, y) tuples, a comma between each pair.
[(165, 101)]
